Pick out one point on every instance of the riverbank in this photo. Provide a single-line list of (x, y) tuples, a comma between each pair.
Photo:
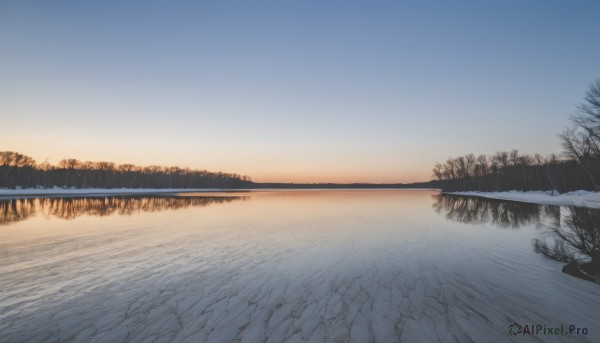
[(34, 192), (577, 198), (76, 192)]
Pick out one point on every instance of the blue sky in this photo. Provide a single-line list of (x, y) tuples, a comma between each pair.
[(305, 91)]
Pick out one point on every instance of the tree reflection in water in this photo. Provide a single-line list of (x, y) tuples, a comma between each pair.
[(502, 213), (572, 237), (576, 240), (15, 210)]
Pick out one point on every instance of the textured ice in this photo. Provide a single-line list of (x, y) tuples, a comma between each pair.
[(327, 266)]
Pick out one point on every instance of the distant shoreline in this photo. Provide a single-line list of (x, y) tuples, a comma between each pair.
[(66, 192), (577, 198), (71, 192)]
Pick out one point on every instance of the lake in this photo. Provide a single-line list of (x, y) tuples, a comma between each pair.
[(294, 266)]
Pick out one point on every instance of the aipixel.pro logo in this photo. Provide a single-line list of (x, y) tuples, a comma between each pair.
[(516, 329)]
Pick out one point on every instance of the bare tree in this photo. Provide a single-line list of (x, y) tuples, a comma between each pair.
[(588, 116), (577, 145)]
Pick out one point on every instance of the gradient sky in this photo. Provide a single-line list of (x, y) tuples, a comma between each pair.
[(301, 91)]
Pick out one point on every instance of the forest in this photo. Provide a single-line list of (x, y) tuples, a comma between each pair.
[(22, 171), (577, 167), (18, 171)]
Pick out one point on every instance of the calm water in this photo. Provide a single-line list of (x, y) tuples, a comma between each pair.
[(333, 266)]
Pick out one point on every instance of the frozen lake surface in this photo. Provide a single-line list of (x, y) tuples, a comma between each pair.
[(294, 266)]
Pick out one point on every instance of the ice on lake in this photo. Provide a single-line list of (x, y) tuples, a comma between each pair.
[(282, 266)]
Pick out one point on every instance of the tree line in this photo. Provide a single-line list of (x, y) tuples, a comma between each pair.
[(578, 167), (22, 171)]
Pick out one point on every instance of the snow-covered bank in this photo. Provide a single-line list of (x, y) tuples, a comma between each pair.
[(577, 198), (16, 193), (68, 192)]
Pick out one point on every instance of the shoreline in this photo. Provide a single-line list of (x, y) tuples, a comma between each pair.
[(92, 192), (577, 198)]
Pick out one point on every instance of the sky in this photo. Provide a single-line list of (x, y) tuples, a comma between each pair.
[(292, 91)]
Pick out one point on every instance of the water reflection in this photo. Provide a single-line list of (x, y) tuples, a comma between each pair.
[(505, 214), (572, 237), (576, 240), (323, 266), (15, 210)]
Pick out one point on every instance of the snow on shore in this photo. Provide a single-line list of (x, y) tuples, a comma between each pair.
[(577, 198), (16, 193), (57, 191)]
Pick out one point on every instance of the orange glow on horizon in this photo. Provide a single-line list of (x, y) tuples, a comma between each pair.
[(339, 178)]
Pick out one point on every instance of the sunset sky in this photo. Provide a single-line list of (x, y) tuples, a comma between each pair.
[(292, 91)]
